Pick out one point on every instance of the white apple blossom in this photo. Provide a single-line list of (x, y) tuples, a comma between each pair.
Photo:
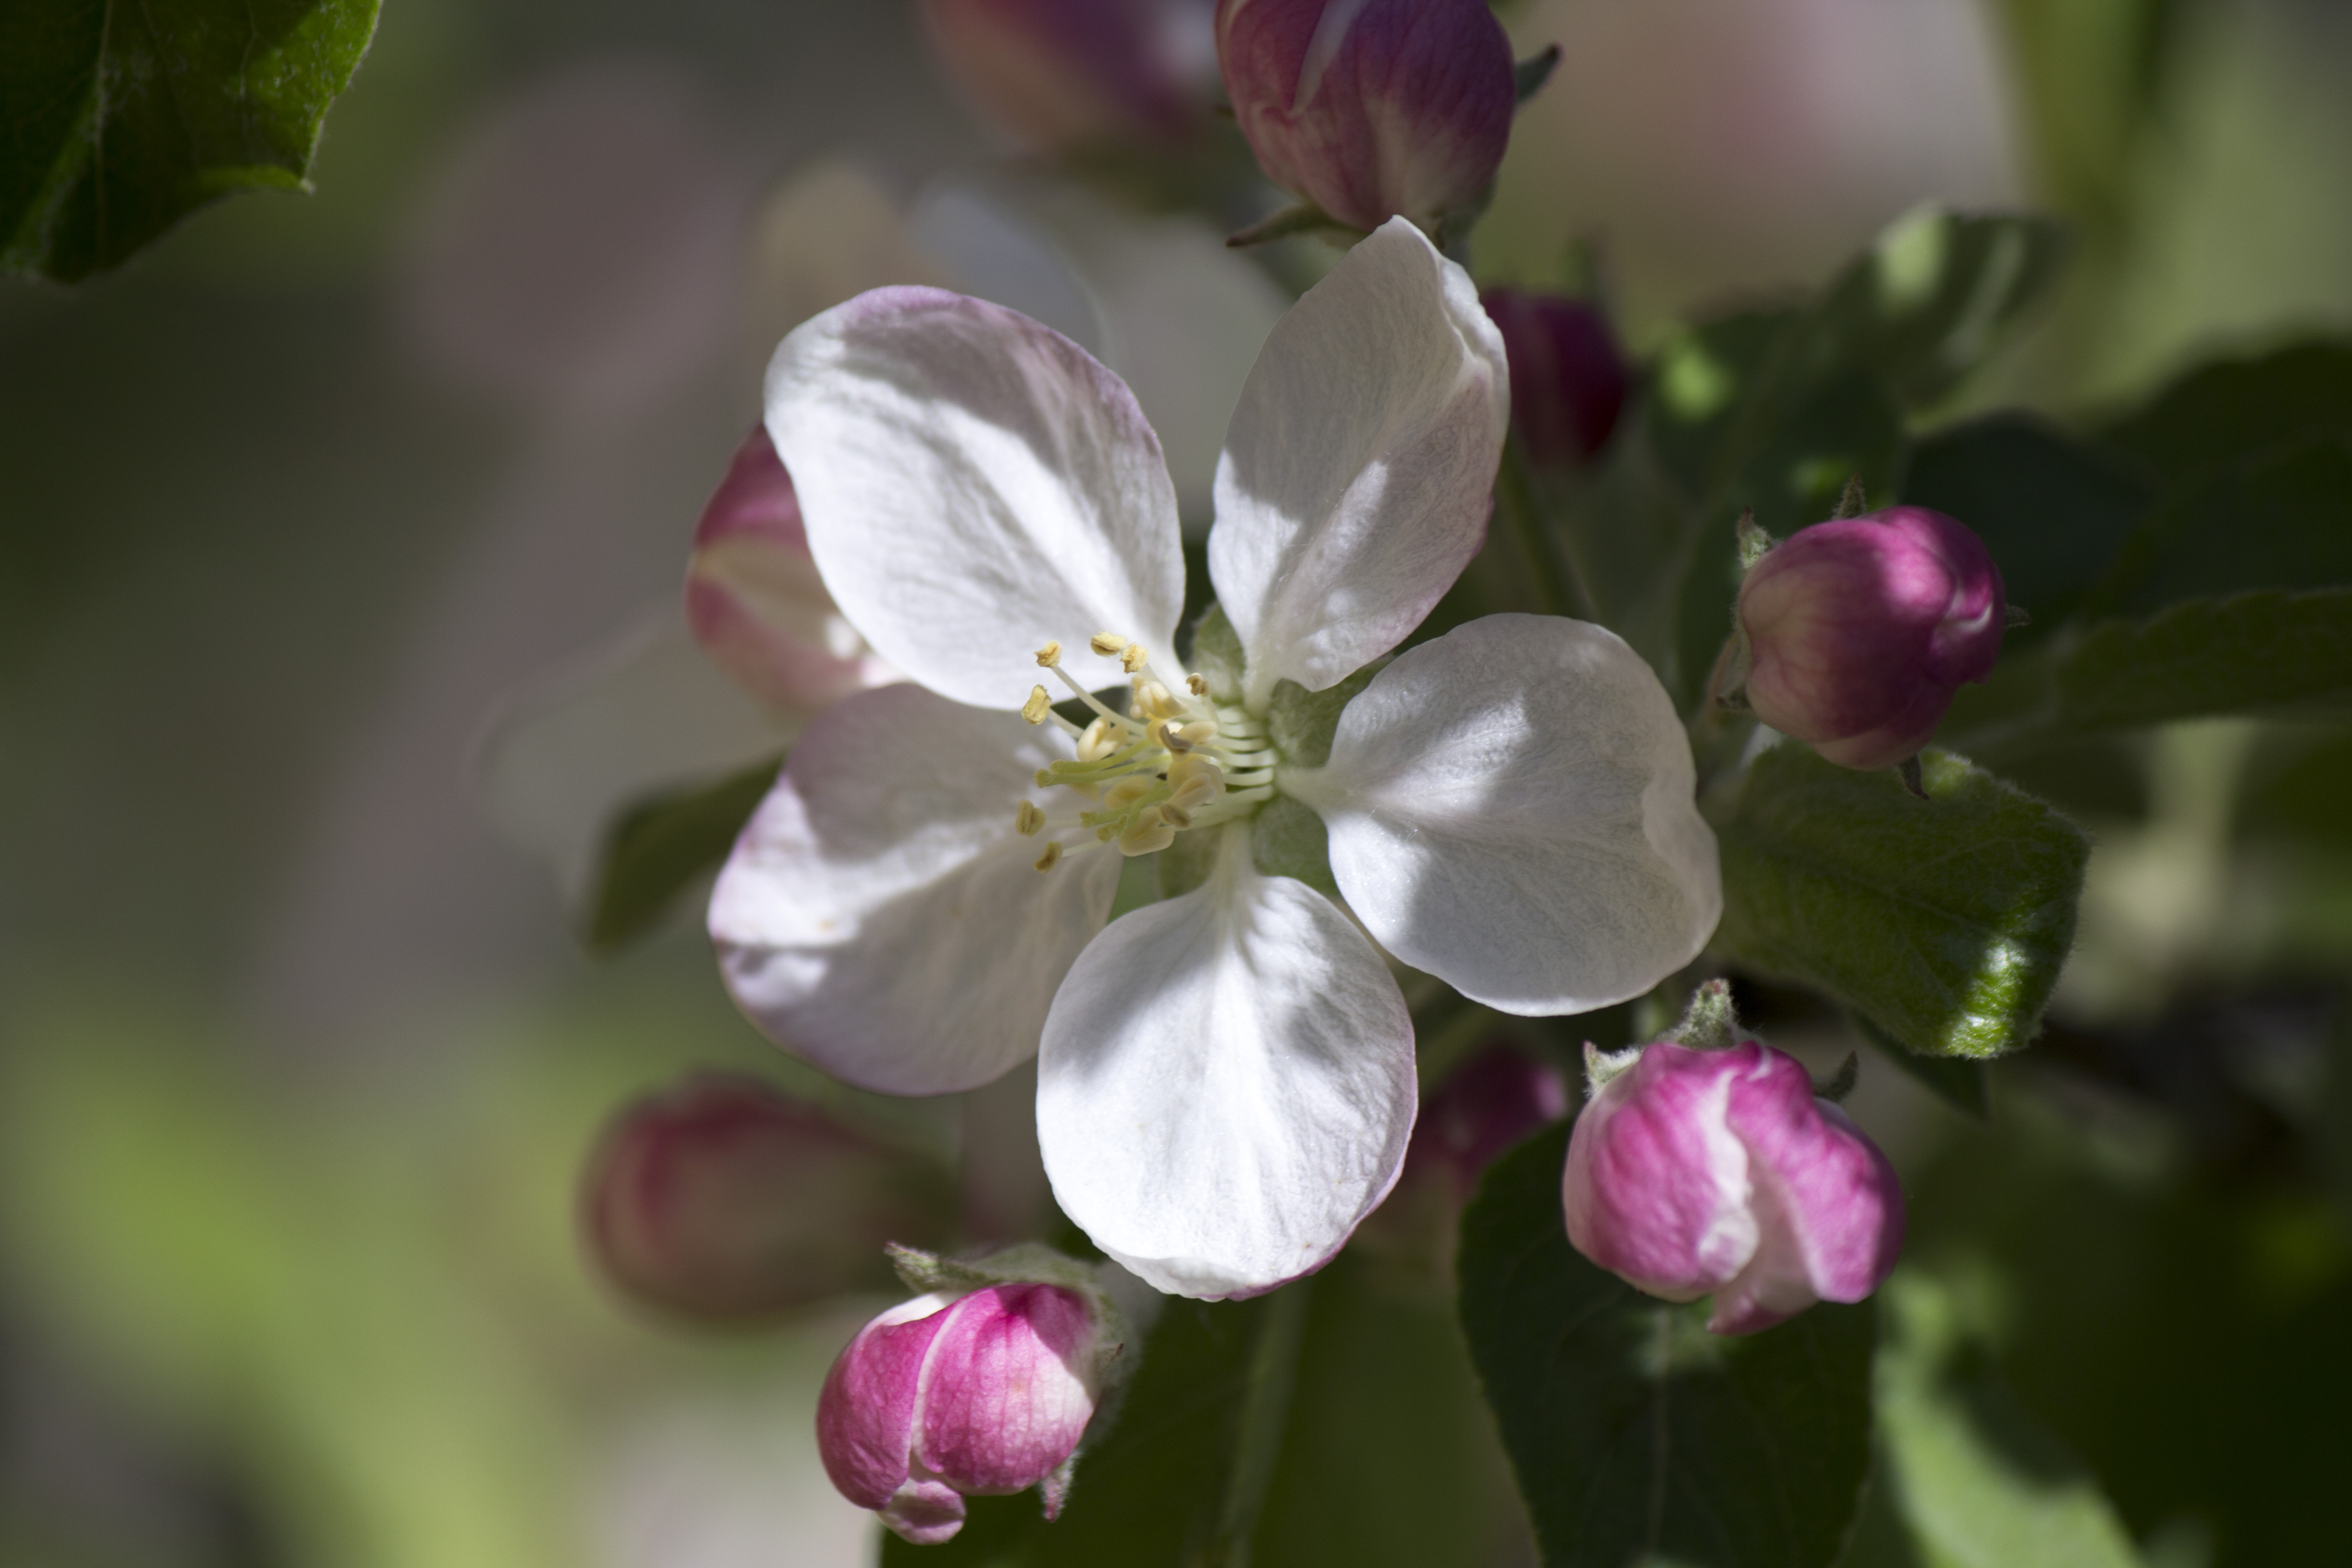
[(1225, 1078)]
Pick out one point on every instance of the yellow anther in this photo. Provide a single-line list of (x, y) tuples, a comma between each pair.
[(1052, 857), (1027, 819), (1143, 839), (1199, 732), (1106, 644), (1134, 659), (1037, 706), (1197, 685), (1157, 701), (1167, 734), (1097, 740), (1191, 766), (1174, 814), (1049, 656), (1127, 792)]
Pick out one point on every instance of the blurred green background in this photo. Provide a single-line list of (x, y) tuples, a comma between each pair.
[(298, 1060)]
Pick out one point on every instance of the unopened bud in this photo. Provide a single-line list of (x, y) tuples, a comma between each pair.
[(726, 1200), (1568, 378), (978, 1389), (1858, 633), (1371, 108), (1057, 73), (1483, 1107), (754, 598), (1696, 1173)]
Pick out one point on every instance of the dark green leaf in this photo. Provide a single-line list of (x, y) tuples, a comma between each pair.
[(2253, 653), (1979, 1483), (1156, 1490), (1700, 383), (2232, 410), (2052, 510), (119, 119), (662, 845), (1638, 1437), (1944, 922), (2282, 521), (1957, 1080)]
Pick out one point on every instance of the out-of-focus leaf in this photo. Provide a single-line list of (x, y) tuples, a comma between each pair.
[(2283, 522), (1699, 384), (2252, 653), (1178, 1479), (2052, 510), (117, 121), (2088, 77), (1958, 1081), (1843, 430), (2237, 409), (659, 848), (1638, 1437), (1944, 922), (1980, 1484)]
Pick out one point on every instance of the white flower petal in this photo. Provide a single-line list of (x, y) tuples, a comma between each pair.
[(1226, 1084), (880, 916), (1359, 467), (974, 485), (1511, 809)]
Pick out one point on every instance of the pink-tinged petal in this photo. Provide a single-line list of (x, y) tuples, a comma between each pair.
[(1359, 465), (1010, 1388), (974, 485), (1859, 632), (880, 916), (754, 598), (865, 1413), (1371, 109), (1831, 1208), (924, 1512), (1656, 1186)]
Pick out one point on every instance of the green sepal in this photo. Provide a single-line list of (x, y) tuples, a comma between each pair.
[(660, 847), (1288, 839)]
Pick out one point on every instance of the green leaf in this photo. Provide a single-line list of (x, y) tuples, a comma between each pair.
[(1945, 921), (2281, 520), (1979, 1483), (1638, 1437), (2052, 510), (2237, 409), (1958, 1081), (2273, 653), (661, 846), (122, 119), (1177, 1478), (1701, 382)]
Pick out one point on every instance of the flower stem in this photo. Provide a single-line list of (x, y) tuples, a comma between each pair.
[(1266, 1416), (1559, 589)]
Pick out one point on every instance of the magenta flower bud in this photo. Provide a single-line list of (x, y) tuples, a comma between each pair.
[(1483, 1107), (1056, 74), (951, 1395), (725, 1200), (1371, 108), (1859, 632), (754, 598), (1567, 379), (1695, 1172)]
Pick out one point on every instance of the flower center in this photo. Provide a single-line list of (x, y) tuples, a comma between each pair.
[(1174, 761)]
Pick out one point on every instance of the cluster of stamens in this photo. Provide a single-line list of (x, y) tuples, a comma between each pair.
[(1174, 760)]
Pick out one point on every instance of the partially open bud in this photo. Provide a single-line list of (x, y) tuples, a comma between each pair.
[(754, 598), (1695, 1172), (1371, 108), (1568, 378), (1055, 74), (725, 1201), (1857, 633), (979, 1388)]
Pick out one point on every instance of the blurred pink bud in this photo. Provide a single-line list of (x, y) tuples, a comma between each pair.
[(948, 1395), (754, 598), (1055, 74), (725, 1201), (1567, 379), (1371, 108), (1694, 1173), (1486, 1105), (1859, 632)]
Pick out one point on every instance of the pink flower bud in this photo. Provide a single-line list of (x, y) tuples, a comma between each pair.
[(945, 1397), (1055, 74), (1371, 108), (1568, 380), (1694, 1173), (1483, 1107), (754, 598), (1859, 632), (725, 1200)]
